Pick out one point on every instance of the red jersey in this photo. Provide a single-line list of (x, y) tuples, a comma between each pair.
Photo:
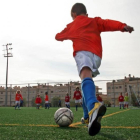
[(46, 98), (18, 97), (38, 100), (121, 98), (99, 99), (67, 98), (77, 95), (85, 32)]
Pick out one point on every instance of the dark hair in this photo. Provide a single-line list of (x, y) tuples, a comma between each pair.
[(46, 92), (79, 8)]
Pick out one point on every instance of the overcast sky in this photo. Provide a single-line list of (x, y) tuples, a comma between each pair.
[(31, 26)]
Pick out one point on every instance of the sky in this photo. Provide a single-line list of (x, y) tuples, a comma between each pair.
[(31, 26)]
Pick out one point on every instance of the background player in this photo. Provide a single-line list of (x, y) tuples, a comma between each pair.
[(126, 99), (46, 100), (67, 100), (121, 100), (18, 97), (99, 98), (78, 98), (38, 101)]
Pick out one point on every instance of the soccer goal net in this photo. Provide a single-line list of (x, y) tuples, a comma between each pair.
[(133, 98)]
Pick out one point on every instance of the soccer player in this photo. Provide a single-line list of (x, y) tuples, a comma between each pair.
[(121, 100), (18, 97), (99, 98), (38, 101), (67, 100), (126, 99), (46, 100), (78, 98), (59, 103), (85, 32)]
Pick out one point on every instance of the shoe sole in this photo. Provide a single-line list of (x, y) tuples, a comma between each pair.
[(95, 127)]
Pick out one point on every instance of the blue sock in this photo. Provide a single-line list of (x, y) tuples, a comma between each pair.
[(76, 107), (88, 89), (85, 114), (15, 106), (18, 106)]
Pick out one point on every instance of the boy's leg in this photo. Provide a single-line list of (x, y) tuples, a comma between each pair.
[(95, 109), (85, 113), (127, 105), (120, 105), (76, 107), (16, 105), (48, 105)]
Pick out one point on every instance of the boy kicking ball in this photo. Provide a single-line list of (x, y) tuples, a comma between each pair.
[(85, 32)]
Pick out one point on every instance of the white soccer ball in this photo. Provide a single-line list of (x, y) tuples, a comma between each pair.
[(63, 117)]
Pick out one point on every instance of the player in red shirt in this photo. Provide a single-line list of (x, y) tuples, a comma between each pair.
[(99, 98), (46, 100), (67, 100), (38, 101), (85, 32), (78, 97), (121, 100), (18, 97)]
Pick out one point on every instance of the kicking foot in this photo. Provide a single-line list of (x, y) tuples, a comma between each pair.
[(95, 116)]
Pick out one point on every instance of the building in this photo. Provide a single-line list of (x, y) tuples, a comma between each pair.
[(115, 87)]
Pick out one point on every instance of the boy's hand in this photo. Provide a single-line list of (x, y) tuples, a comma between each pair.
[(128, 29)]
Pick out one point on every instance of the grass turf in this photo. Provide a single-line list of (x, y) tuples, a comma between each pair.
[(32, 124)]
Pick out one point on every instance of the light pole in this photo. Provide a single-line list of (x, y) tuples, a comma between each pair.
[(7, 54), (114, 91)]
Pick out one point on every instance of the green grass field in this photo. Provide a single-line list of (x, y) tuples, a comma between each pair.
[(33, 124)]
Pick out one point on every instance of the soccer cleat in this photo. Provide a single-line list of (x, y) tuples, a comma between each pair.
[(95, 116), (85, 121)]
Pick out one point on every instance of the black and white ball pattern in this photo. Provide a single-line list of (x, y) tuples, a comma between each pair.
[(63, 117)]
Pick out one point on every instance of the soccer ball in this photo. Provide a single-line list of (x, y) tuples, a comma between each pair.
[(63, 117)]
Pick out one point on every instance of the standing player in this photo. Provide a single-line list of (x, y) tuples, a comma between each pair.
[(46, 100), (67, 100), (121, 100), (126, 99), (85, 32), (78, 98), (99, 98), (18, 97), (59, 103), (38, 101)]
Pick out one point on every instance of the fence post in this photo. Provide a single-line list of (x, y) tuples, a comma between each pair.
[(28, 93), (10, 93)]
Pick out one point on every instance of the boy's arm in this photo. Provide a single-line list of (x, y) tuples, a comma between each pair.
[(62, 35), (112, 25)]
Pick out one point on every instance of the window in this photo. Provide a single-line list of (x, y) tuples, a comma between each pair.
[(108, 87), (51, 91), (120, 86)]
